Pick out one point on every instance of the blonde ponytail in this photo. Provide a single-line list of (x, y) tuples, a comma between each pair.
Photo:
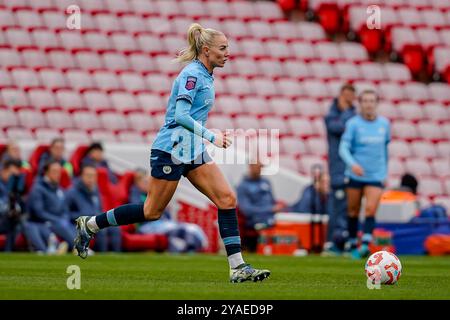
[(197, 37)]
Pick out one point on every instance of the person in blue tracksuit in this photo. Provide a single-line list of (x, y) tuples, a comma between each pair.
[(84, 197), (12, 185), (341, 110), (95, 157), (256, 200), (47, 204), (179, 150), (364, 149), (56, 152)]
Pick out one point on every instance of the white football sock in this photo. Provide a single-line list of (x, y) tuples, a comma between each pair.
[(235, 260), (92, 225)]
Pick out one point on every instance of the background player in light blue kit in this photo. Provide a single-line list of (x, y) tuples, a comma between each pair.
[(179, 150), (364, 149)]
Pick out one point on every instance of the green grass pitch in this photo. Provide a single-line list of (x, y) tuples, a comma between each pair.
[(201, 276)]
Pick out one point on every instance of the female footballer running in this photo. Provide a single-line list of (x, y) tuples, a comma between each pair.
[(179, 150), (364, 149)]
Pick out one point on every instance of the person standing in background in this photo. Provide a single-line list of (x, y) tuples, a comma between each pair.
[(341, 110)]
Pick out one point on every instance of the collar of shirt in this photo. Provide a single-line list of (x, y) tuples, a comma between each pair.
[(204, 67)]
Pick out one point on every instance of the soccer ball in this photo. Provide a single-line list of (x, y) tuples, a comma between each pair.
[(383, 267)]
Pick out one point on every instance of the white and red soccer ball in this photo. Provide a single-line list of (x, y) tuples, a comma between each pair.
[(383, 267)]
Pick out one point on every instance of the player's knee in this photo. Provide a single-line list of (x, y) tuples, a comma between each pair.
[(227, 201), (152, 213), (370, 210)]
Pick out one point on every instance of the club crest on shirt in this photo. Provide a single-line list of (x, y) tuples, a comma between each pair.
[(167, 169), (190, 83)]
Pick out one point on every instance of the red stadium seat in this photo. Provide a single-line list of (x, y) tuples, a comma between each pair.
[(28, 18), (103, 136), (329, 17), (52, 78), (289, 87), (96, 40), (255, 105), (292, 145), (88, 60), (270, 67), (69, 99), (14, 97), (220, 122), (399, 149), (72, 39), (58, 119), (396, 72), (18, 37), (416, 91), (119, 6), (423, 149), (296, 69), (17, 133), (8, 119), (151, 102), (395, 167), (264, 87), (439, 92), (124, 101), (410, 111), (46, 135), (311, 31), (286, 30), (42, 99), (347, 71), (44, 38), (228, 104), (418, 166), (132, 23), (435, 111), (106, 80), (274, 123), (25, 78), (391, 91), (158, 82), (34, 58), (238, 86), (144, 7), (5, 79), (80, 79), (53, 19), (31, 119), (303, 50), (9, 57), (113, 121), (440, 167), (132, 81), (430, 187), (430, 130), (247, 122), (352, 51), (301, 126), (130, 137), (61, 59), (97, 101), (141, 122), (7, 19)]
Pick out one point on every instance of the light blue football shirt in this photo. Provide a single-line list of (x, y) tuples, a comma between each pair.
[(183, 138), (366, 144)]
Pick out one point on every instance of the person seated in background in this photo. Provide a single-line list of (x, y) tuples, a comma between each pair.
[(406, 191), (95, 157), (47, 204), (84, 198), (182, 236), (56, 152), (13, 152), (315, 197), (256, 200), (12, 186)]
